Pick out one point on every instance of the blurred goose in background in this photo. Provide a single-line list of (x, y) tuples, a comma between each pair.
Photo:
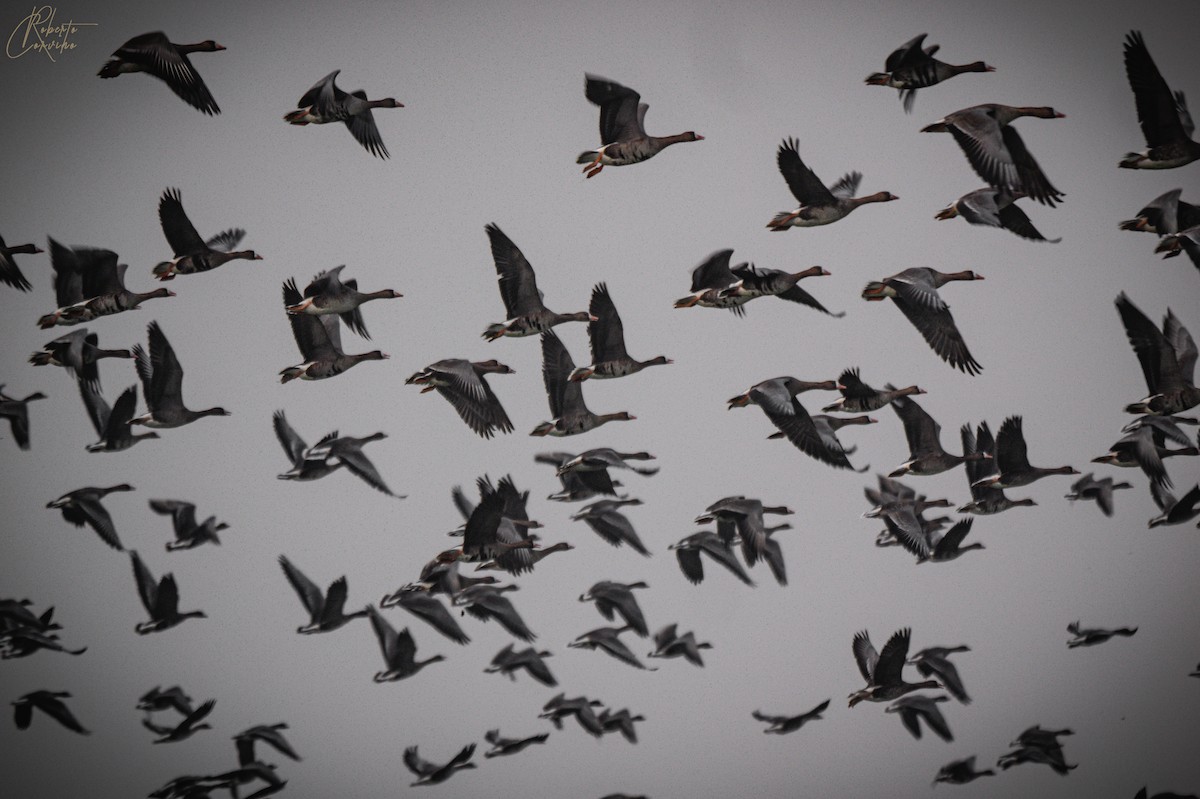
[(327, 294), (191, 724), (1013, 469), (934, 661), (398, 648), (82, 506), (606, 335), (1175, 511), (192, 253), (884, 671), (744, 517), (426, 607), (303, 467), (781, 725), (173, 698), (858, 397), (498, 528), (902, 515), (571, 414), (486, 602), (1187, 241), (1164, 215), (160, 599), (162, 385), (914, 709), (1167, 357), (461, 383), (1166, 123), (523, 308), (623, 136), (269, 734), (10, 273), (610, 524), (1145, 447), (1141, 794), (994, 207), (669, 644), (926, 455), (510, 746), (688, 551), (17, 413), (559, 707), (996, 151), (348, 451), (949, 546), (157, 55), (88, 284), (1037, 736), (1052, 757), (986, 498), (621, 721), (1088, 487), (50, 703), (818, 205), (914, 291), (188, 532), (325, 611), (325, 103), (78, 352), (710, 278), (753, 282), (607, 458), (960, 772), (605, 639), (1090, 636), (576, 485), (431, 774), (777, 398), (507, 661), (911, 66), (320, 343), (617, 598)]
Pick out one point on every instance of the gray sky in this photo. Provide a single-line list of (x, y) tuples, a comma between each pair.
[(494, 117)]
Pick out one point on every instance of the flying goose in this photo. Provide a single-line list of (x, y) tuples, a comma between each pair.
[(82, 506), (818, 205), (911, 66), (398, 648), (781, 725), (10, 273), (50, 703), (623, 135), (570, 414), (510, 746), (188, 532), (327, 294), (325, 103), (326, 611), (523, 308), (462, 384), (431, 774), (606, 335), (914, 291), (17, 413), (160, 599), (320, 343), (1167, 358), (994, 207), (1166, 123), (162, 385), (192, 253), (159, 56), (77, 352), (883, 671)]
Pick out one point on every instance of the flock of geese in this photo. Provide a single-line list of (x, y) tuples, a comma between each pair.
[(497, 532)]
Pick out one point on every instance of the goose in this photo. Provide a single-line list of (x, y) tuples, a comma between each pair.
[(82, 506), (486, 602), (1184, 241), (1090, 636), (1167, 358), (782, 725), (497, 528), (269, 734), (348, 451), (607, 458), (1013, 469), (896, 504), (1165, 214), (160, 599), (754, 282), (1040, 738), (303, 467), (430, 774), (22, 642), (559, 707), (688, 551), (320, 343), (173, 698), (326, 611), (778, 401), (934, 661), (926, 455), (245, 775), (426, 607), (442, 577), (914, 291), (994, 207), (10, 273), (78, 352), (1164, 118), (1174, 511), (610, 524), (1145, 447), (743, 516), (986, 497), (612, 597), (16, 411), (325, 103), (818, 205), (535, 557), (827, 427), (996, 151), (606, 335), (188, 532), (912, 66), (191, 724), (883, 671), (461, 383), (858, 397), (49, 702), (623, 135), (571, 414), (510, 746), (960, 772), (576, 485), (162, 385), (710, 278), (902, 517), (621, 721), (1088, 487), (159, 56), (1052, 757), (605, 639), (89, 283), (327, 294), (526, 315), (192, 253), (398, 648), (507, 661), (914, 709), (669, 644)]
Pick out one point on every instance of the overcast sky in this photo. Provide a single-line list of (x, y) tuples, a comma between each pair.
[(494, 117)]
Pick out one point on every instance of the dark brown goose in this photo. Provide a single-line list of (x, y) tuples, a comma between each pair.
[(623, 136), (571, 414), (911, 66), (1167, 358), (526, 315), (461, 383), (325, 103), (1164, 118), (157, 55), (818, 205), (320, 343), (192, 253), (327, 294), (606, 335), (915, 293)]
